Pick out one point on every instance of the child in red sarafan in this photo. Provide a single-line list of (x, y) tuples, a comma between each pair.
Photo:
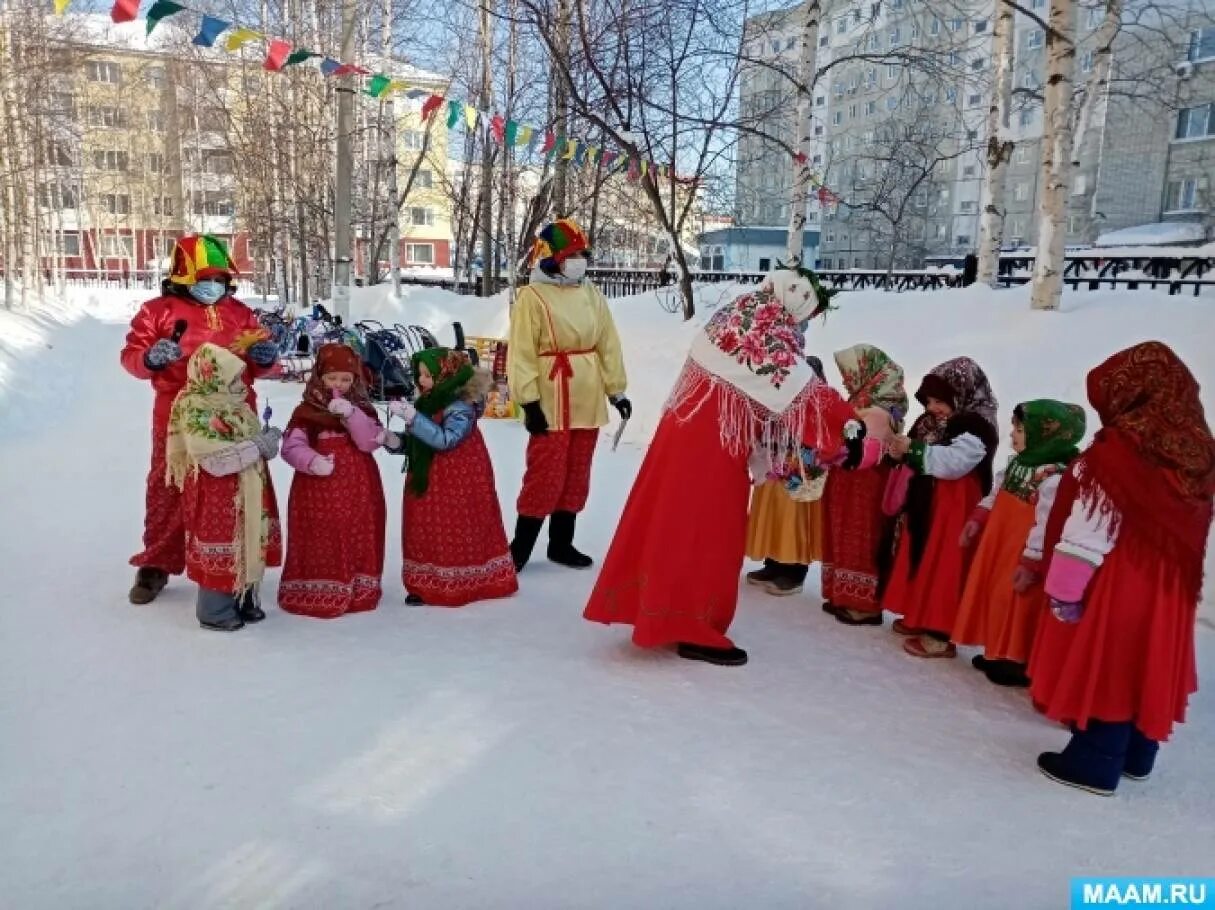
[(216, 455), (330, 440), (454, 542)]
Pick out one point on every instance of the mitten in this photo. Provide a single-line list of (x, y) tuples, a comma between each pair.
[(389, 440), (403, 409), (267, 442), (1024, 578), (162, 354), (970, 533), (623, 405), (322, 466), (1067, 612), (533, 419), (340, 407), (264, 353)]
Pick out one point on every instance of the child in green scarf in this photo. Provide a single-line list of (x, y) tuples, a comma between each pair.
[(1004, 597), (454, 542)]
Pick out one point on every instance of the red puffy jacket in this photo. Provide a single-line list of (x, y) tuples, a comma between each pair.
[(220, 324)]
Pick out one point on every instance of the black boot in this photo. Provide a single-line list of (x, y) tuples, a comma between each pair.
[(762, 576), (1093, 760), (723, 657), (250, 610), (561, 542), (527, 531), (149, 582), (414, 600), (1140, 756), (1008, 673)]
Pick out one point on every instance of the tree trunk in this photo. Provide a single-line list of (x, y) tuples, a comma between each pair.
[(802, 172), (487, 155), (561, 111), (999, 148), (1056, 158)]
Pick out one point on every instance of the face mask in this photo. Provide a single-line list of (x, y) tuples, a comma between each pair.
[(208, 292), (574, 269)]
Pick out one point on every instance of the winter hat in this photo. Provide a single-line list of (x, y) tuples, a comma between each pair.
[(556, 243), (1053, 430), (312, 414), (799, 292), (338, 358), (197, 257)]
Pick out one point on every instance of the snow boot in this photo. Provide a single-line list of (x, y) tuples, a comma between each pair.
[(722, 657), (219, 611), (1008, 673), (414, 600), (1093, 760), (250, 610), (857, 617), (527, 531), (149, 582), (760, 577), (224, 625), (787, 580), (1140, 756), (561, 542)]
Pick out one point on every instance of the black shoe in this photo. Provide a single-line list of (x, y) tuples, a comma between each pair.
[(723, 657), (224, 625), (149, 582), (783, 586), (1056, 767), (761, 577), (527, 531), (1007, 673), (830, 608), (413, 600), (250, 610), (561, 542), (980, 663), (1140, 756), (857, 617)]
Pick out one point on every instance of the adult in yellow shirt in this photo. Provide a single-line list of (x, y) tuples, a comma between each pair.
[(564, 365)]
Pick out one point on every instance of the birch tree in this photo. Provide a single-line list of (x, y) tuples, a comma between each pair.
[(803, 173), (999, 147)]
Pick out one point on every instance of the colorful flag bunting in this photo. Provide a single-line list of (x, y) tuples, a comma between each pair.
[(550, 143), (125, 10), (470, 116), (241, 37), (298, 57), (162, 9), (571, 148), (579, 154), (526, 135), (498, 128), (329, 66), (378, 86), (209, 29), (510, 135), (349, 69), (61, 6), (433, 103), (276, 55), (592, 155), (453, 114)]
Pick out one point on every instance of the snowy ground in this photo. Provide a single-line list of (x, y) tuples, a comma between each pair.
[(509, 754)]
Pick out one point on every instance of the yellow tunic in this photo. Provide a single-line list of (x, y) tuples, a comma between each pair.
[(579, 318), (782, 529)]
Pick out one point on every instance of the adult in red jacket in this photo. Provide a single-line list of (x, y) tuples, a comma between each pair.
[(195, 307)]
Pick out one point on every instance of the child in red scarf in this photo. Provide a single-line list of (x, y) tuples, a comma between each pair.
[(1128, 533), (336, 513)]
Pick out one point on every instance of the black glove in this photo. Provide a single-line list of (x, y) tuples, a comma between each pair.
[(854, 442), (623, 405), (162, 354), (534, 419)]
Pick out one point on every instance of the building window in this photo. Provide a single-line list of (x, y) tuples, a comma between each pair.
[(974, 100), (895, 37), (915, 32), (892, 72), (413, 140), (215, 205), (892, 103), (962, 240), (789, 42), (940, 231), (57, 153), (870, 108), (1021, 155), (1202, 44), (58, 196), (156, 121), (820, 101), (420, 253), (841, 26), (871, 77), (1076, 224), (824, 40), (935, 28), (1034, 39), (968, 207), (977, 64), (818, 129), (113, 246), (107, 117), (920, 199), (424, 179), (837, 118), (155, 76), (955, 25), (1087, 59), (1021, 192), (980, 26), (110, 160), (104, 71), (162, 205), (157, 163), (1038, 4), (1195, 122), (1027, 116), (1014, 230), (954, 58), (827, 263), (951, 95), (1080, 185), (62, 104), (1183, 195), (421, 216), (115, 203), (217, 163), (831, 235), (873, 43), (968, 170), (63, 244)]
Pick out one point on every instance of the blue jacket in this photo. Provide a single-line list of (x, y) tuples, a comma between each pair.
[(459, 420)]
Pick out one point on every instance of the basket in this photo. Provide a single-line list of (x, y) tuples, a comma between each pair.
[(810, 488)]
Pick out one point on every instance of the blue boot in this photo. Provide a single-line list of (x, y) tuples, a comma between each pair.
[(1140, 756), (1093, 760)]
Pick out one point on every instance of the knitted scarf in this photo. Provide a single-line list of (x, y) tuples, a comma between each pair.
[(451, 371), (210, 414), (312, 414), (1053, 430)]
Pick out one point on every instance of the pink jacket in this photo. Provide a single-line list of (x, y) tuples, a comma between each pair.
[(365, 432)]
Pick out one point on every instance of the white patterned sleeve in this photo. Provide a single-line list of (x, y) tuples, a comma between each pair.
[(956, 460), (1035, 543)]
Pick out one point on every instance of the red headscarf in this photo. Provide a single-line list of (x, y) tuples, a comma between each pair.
[(312, 414)]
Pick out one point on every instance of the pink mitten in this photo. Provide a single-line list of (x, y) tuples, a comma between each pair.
[(340, 407)]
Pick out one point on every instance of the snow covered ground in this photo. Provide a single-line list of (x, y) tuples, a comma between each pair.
[(509, 754)]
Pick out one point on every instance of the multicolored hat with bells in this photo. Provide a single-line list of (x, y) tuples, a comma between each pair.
[(556, 243), (197, 257)]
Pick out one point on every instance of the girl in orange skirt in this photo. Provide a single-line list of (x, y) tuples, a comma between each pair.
[(216, 455), (950, 450), (455, 544), (1003, 597), (1127, 536), (330, 440)]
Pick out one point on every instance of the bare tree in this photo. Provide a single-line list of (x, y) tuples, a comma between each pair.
[(999, 146)]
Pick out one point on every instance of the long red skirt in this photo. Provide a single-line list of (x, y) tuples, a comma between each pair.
[(208, 508), (928, 600), (1131, 656), (164, 536), (854, 523), (673, 566), (455, 544), (335, 536)]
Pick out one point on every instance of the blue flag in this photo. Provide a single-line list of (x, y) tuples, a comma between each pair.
[(210, 29)]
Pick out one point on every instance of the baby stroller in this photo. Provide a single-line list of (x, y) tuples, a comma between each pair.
[(387, 352)]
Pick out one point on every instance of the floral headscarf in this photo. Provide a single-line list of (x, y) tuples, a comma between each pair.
[(760, 334), (873, 380), (312, 414), (1053, 430), (962, 383)]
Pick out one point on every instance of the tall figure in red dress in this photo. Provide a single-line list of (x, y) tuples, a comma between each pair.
[(564, 364), (746, 392), (195, 307), (1128, 532)]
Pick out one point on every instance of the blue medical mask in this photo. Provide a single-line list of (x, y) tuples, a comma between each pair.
[(208, 292)]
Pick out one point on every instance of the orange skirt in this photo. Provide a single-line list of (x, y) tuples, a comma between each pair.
[(782, 529), (992, 614)]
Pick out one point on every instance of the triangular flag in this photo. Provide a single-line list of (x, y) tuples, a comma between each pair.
[(210, 29), (592, 155), (433, 103), (645, 168), (498, 128), (61, 6), (276, 55), (510, 134), (298, 57), (526, 135), (550, 142), (162, 9), (571, 147), (378, 85), (634, 169), (125, 11), (580, 154), (607, 159), (396, 85), (470, 116), (453, 114), (329, 66), (349, 69), (241, 37)]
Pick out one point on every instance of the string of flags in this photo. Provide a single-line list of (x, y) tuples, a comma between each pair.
[(281, 54)]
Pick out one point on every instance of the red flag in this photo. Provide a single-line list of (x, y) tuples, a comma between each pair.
[(350, 69), (125, 10), (433, 103), (550, 142), (498, 126), (276, 54), (800, 158)]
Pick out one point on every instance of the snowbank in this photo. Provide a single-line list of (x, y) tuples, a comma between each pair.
[(1153, 235)]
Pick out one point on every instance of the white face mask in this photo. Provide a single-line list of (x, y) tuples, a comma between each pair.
[(574, 268), (208, 292)]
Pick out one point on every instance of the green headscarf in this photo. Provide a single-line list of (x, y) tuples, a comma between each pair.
[(451, 371), (1053, 430)]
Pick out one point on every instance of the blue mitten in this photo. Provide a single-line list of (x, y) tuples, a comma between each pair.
[(162, 354), (264, 353)]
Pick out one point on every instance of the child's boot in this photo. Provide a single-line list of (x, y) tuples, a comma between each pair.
[(218, 611), (1093, 760), (250, 606), (149, 582), (1140, 756)]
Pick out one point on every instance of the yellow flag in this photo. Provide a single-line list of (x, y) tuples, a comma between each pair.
[(592, 154), (396, 85), (470, 115), (524, 135), (61, 6), (571, 146), (241, 37)]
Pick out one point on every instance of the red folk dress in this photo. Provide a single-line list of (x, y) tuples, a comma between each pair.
[(334, 565), (854, 523), (208, 506)]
